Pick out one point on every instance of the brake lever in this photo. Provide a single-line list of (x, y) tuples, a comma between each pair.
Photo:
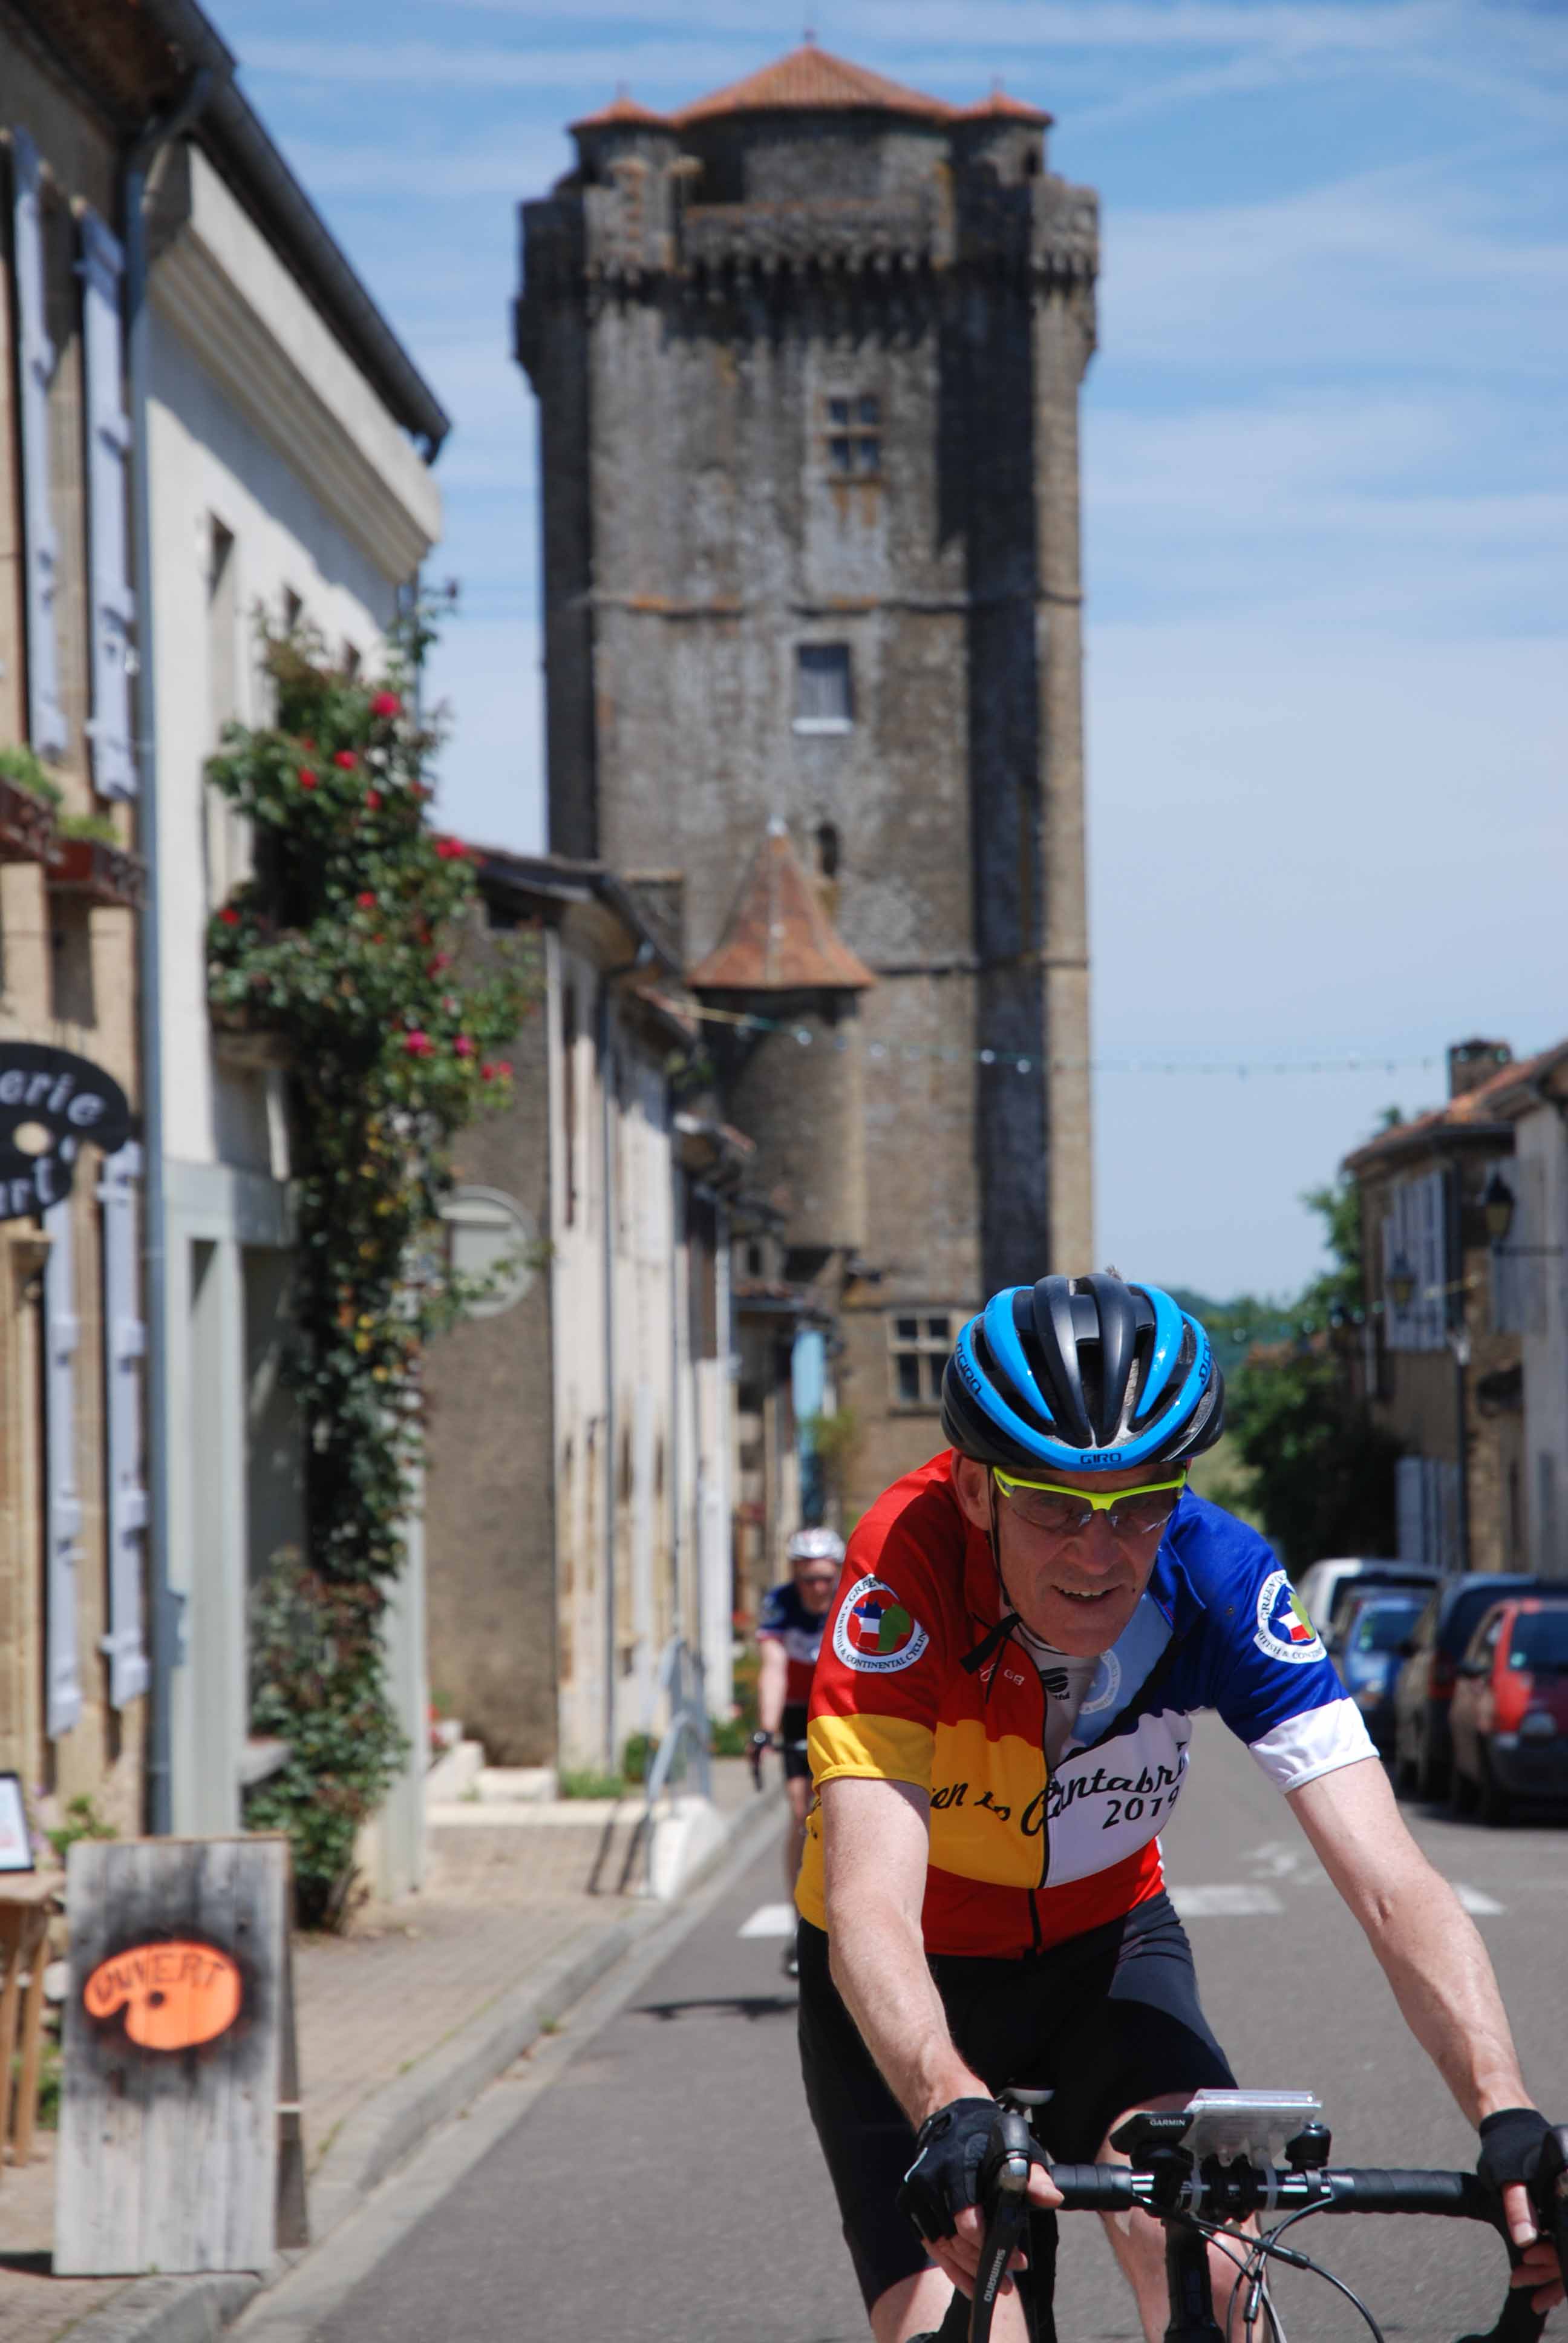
[(1004, 2197)]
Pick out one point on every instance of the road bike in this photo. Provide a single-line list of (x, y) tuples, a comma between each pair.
[(1229, 2157)]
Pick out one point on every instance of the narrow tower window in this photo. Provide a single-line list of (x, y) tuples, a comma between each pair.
[(823, 699), (827, 849), (855, 435)]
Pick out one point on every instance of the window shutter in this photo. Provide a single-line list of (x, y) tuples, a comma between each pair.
[(63, 1693), (45, 717), (100, 268), (125, 1338)]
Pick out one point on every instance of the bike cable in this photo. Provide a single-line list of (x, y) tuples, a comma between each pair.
[(1266, 2246)]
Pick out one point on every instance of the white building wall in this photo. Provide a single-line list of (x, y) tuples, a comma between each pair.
[(266, 444)]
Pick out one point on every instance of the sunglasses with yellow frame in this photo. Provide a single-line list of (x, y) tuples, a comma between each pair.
[(1067, 1513)]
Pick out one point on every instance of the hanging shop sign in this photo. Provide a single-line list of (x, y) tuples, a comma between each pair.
[(50, 1101)]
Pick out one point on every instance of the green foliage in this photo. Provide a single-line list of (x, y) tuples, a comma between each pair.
[(26, 770), (341, 945), (83, 1820), (1319, 1473), (96, 826), (582, 1782), (638, 1755), (744, 1681), (729, 1736)]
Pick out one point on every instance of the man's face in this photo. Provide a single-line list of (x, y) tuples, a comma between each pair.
[(1076, 1592), (816, 1582)]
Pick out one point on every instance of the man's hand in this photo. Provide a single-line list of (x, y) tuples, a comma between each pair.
[(1511, 2144), (941, 2186)]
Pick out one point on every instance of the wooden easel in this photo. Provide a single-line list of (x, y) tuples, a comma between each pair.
[(23, 1941)]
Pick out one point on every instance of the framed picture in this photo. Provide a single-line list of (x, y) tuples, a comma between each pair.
[(15, 1839)]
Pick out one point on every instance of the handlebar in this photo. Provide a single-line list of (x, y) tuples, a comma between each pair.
[(1182, 2195)]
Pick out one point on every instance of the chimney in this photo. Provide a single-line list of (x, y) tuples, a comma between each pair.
[(1471, 1063)]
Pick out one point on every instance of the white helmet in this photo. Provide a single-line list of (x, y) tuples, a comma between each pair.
[(815, 1545)]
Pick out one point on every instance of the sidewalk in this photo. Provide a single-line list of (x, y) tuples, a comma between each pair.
[(400, 2023)]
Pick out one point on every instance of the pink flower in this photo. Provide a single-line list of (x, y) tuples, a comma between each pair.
[(441, 960), (367, 901), (451, 850), (486, 1072), (417, 1043), (229, 916), (387, 703), (504, 1066), (345, 760), (462, 1047), (373, 800), (307, 778)]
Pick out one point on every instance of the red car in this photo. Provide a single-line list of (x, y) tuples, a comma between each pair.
[(1509, 1719)]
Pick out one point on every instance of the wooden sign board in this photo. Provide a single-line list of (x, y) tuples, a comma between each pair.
[(180, 2144)]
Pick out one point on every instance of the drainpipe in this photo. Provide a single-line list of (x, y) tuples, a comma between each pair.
[(164, 1621)]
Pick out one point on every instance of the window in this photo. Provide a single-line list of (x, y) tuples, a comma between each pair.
[(855, 436), (918, 1342), (827, 849), (823, 699)]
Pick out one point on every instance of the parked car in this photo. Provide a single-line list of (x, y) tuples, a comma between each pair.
[(1423, 1691), (1368, 1647), (1321, 1584), (1388, 1577), (1508, 1716)]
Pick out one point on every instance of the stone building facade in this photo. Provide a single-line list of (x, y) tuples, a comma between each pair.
[(808, 356), (1440, 1366)]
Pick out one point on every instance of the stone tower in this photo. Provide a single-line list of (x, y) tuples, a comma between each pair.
[(808, 357)]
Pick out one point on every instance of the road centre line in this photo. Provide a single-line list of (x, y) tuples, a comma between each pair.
[(769, 1920), (1236, 1902)]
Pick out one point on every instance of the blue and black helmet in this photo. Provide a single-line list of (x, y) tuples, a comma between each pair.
[(1084, 1374)]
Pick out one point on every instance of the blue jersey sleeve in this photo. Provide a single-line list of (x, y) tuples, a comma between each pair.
[(776, 1616), (1270, 1677)]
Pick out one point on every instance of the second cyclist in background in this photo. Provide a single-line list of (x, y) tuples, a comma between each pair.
[(789, 1635)]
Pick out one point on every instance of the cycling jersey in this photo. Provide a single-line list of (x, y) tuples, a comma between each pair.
[(784, 1619), (919, 1682)]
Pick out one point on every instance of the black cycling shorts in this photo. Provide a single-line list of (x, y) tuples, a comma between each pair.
[(792, 1739), (1107, 2021)]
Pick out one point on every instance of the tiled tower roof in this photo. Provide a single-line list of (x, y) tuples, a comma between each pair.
[(621, 108), (777, 938), (811, 80), (1000, 106)]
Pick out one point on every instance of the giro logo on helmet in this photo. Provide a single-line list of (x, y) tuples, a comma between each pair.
[(874, 1632)]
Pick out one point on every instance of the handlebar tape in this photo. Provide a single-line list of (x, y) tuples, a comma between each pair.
[(1457, 2194), (1094, 2187)]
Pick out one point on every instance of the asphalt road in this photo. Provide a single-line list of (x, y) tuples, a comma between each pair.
[(667, 2189)]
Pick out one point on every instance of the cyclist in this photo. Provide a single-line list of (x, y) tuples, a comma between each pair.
[(1000, 1726), (789, 1636)]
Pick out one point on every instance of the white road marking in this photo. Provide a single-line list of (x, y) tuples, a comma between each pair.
[(1238, 1903), (769, 1920), (1476, 1900), (1277, 1859)]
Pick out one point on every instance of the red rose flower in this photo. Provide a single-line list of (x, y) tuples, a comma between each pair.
[(373, 801), (308, 740), (441, 960), (504, 1066), (451, 850), (462, 1047), (387, 703), (345, 760), (486, 1072), (229, 916), (307, 778), (367, 901), (417, 1043)]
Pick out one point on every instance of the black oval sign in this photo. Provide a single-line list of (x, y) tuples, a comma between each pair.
[(64, 1099)]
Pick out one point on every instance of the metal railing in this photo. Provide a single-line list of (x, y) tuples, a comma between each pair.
[(680, 1679)]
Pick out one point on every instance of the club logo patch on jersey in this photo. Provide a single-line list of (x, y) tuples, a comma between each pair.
[(874, 1632), (1284, 1629), (1104, 1685)]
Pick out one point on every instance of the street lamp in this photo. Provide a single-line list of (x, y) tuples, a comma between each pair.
[(1497, 1208), (1402, 1282)]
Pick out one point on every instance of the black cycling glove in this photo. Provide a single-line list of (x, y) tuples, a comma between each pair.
[(1511, 2144), (945, 2175)]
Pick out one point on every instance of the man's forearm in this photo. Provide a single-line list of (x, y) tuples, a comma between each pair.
[(1433, 1958), (878, 1965), (772, 1678)]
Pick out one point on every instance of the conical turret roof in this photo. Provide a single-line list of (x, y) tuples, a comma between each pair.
[(777, 938)]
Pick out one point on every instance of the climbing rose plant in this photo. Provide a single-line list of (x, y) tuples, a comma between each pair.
[(341, 946)]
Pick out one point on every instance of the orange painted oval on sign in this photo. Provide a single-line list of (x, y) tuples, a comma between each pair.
[(175, 1994)]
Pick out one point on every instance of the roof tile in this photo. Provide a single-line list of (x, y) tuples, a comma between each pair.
[(811, 80), (622, 109)]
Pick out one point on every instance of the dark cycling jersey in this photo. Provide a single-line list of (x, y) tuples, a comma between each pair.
[(784, 1619), (918, 1682)]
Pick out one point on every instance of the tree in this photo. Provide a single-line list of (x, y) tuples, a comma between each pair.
[(1321, 1473)]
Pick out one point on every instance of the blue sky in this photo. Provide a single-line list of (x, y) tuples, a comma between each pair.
[(1326, 506)]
